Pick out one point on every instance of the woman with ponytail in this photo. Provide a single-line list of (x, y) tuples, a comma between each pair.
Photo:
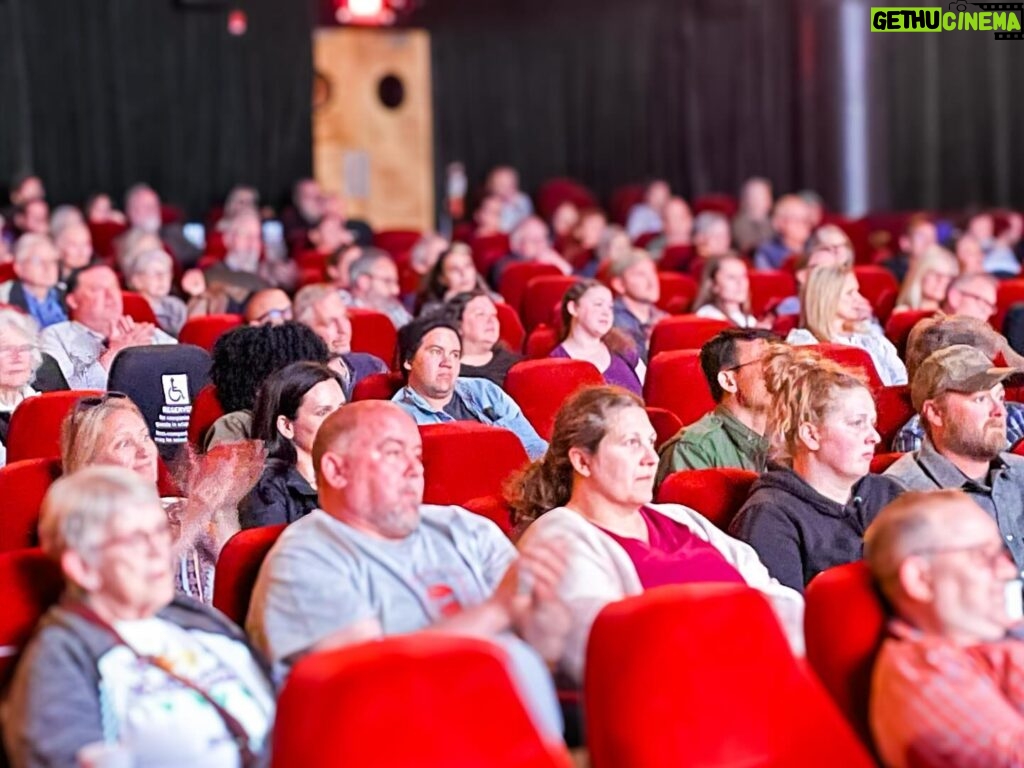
[(810, 510), (593, 490)]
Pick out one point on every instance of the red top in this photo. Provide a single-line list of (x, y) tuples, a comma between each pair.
[(674, 555)]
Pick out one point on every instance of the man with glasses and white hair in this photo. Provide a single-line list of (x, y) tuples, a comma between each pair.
[(374, 285), (948, 683), (972, 295)]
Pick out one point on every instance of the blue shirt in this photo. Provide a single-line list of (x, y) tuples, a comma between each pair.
[(771, 254), (486, 401), (49, 311)]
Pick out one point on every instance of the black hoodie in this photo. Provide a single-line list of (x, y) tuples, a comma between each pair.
[(798, 532)]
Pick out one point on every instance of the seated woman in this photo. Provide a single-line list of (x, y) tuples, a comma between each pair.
[(123, 660), (810, 510), (587, 334), (453, 273), (832, 312), (290, 407), (110, 430), (20, 359), (927, 280), (264, 349), (593, 490), (484, 355), (150, 273), (725, 292)]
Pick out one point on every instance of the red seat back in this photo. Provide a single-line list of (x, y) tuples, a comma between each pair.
[(900, 324), (377, 386), (677, 292), (23, 484), (517, 276), (844, 625), (463, 460), (875, 282), (894, 410), (854, 358), (34, 432), (553, 192), (206, 409), (716, 493), (769, 286), (452, 695), (714, 656), (31, 584), (882, 461), (487, 250), (542, 298), (684, 332), (373, 332), (104, 235), (540, 342), (238, 565), (1008, 293), (664, 385), (718, 202), (511, 327), (665, 423), (541, 386), (137, 308), (203, 331), (622, 200), (494, 508), (397, 242)]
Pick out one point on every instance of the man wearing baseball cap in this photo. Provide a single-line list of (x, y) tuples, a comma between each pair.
[(958, 393)]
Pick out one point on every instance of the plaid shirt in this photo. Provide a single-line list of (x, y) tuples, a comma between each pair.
[(910, 436), (937, 703)]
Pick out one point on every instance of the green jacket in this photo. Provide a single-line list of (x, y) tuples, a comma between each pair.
[(718, 439)]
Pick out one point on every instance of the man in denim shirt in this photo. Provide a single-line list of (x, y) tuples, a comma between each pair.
[(431, 353)]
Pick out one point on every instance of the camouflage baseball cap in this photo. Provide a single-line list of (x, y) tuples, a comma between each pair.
[(956, 368)]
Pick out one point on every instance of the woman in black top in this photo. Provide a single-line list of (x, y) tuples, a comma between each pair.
[(484, 356), (290, 407)]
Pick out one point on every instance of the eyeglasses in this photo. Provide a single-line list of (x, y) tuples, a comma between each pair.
[(987, 553), (744, 365), (980, 299), (137, 540), (275, 314), (88, 403)]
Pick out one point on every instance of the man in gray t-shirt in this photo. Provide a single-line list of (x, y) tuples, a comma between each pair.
[(376, 561)]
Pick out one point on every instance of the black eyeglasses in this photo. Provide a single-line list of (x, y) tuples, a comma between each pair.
[(744, 365), (88, 403)]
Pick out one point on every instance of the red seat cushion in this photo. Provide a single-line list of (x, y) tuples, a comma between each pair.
[(665, 423), (540, 342), (494, 508), (677, 292), (463, 460), (238, 565)]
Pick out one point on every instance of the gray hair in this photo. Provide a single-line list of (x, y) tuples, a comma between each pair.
[(364, 264), (28, 244), (13, 320), (308, 297), (139, 263), (706, 220), (78, 508), (516, 235), (235, 221), (136, 189), (420, 252), (62, 217)]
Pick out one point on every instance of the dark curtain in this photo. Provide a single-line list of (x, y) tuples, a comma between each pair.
[(701, 92), (96, 95)]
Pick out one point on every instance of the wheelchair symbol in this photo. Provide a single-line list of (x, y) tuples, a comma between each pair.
[(175, 395), (175, 389)]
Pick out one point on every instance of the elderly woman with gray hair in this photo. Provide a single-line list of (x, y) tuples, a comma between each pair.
[(20, 359), (122, 665), (151, 273)]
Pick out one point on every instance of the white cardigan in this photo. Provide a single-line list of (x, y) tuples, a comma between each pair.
[(600, 572)]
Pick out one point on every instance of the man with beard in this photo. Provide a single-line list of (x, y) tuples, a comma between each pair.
[(375, 561), (732, 435), (958, 393)]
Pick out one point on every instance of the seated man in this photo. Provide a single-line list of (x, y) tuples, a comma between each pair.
[(959, 396), (145, 215), (320, 307), (634, 280), (270, 306), (732, 435), (646, 216), (828, 246), (711, 239), (972, 295), (677, 230), (946, 684), (503, 183), (920, 233), (85, 346), (374, 285), (529, 243), (430, 350), (241, 272), (34, 289), (306, 210), (1000, 259), (74, 242), (938, 332), (374, 560), (791, 221)]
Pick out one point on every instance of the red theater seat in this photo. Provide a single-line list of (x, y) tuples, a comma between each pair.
[(769, 286), (882, 461), (23, 484), (665, 423), (716, 493), (540, 342), (463, 460), (203, 331), (684, 332), (718, 202), (713, 660), (373, 332), (378, 386), (875, 282), (451, 697), (517, 276), (676, 383), (542, 298), (677, 292), (32, 583), (541, 386), (487, 250), (1009, 292), (237, 568), (495, 509), (206, 409), (554, 192), (844, 625), (137, 308), (894, 410), (397, 242), (34, 432), (854, 358), (511, 327), (900, 324)]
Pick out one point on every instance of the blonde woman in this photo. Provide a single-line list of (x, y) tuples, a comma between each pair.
[(725, 292), (832, 312), (928, 280), (810, 512)]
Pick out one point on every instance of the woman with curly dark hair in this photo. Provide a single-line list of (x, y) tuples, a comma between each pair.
[(242, 360)]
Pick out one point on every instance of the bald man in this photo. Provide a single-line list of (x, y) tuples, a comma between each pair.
[(948, 686), (374, 560)]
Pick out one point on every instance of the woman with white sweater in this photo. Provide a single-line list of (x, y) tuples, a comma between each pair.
[(593, 490)]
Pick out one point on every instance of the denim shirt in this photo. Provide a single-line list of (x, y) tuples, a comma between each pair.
[(487, 401)]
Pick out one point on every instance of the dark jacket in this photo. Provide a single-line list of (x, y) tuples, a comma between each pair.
[(798, 532), (281, 495), (54, 706)]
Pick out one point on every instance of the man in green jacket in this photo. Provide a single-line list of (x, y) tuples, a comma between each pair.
[(732, 435)]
